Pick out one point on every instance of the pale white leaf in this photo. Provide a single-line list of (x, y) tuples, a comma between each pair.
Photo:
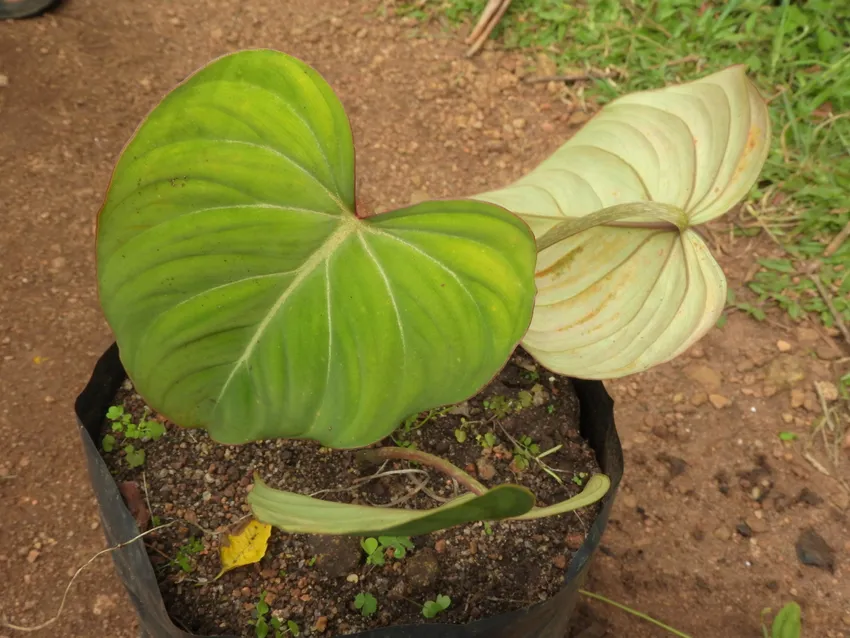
[(632, 293)]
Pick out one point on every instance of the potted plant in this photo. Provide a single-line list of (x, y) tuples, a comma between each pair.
[(250, 299)]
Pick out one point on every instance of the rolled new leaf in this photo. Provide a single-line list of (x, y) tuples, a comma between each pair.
[(299, 514), (635, 291), (248, 298)]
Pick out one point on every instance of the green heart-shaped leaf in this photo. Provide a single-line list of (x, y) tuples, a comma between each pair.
[(248, 298), (299, 514)]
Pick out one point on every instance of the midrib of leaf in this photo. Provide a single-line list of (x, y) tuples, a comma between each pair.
[(348, 225)]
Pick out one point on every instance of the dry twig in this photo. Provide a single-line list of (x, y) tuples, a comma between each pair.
[(493, 12), (827, 299), (685, 60), (591, 74), (839, 239), (47, 623)]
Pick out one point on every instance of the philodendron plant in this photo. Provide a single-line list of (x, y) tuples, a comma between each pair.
[(250, 298)]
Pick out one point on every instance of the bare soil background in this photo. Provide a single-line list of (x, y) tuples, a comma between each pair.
[(704, 532)]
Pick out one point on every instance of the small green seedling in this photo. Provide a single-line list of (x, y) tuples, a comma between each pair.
[(550, 409), (376, 548), (133, 457), (786, 624), (787, 436), (525, 451), (502, 406), (366, 603), (186, 551), (580, 478), (312, 561), (487, 440), (488, 529), (148, 429), (267, 625), (499, 405), (432, 608), (108, 443), (412, 423), (531, 375), (262, 622), (120, 419), (122, 423), (462, 432)]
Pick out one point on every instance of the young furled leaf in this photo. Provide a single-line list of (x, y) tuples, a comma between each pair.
[(297, 513)]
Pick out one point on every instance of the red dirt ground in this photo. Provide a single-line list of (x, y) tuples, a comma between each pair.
[(428, 122)]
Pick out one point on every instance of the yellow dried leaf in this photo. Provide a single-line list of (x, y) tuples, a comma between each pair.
[(246, 545)]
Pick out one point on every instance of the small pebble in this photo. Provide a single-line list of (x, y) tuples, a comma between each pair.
[(809, 498), (756, 525), (783, 346), (814, 551), (722, 533), (699, 398), (827, 390), (486, 470), (744, 530), (719, 401)]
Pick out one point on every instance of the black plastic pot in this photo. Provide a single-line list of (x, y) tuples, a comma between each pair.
[(549, 619)]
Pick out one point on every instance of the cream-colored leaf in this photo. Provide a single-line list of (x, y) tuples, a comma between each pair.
[(615, 301), (632, 293), (247, 545), (699, 146), (729, 128)]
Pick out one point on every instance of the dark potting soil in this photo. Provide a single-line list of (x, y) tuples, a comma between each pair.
[(485, 569)]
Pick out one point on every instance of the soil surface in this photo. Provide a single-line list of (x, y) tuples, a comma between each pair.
[(714, 505), (314, 580)]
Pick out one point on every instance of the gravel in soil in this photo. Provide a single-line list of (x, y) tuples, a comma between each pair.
[(485, 569)]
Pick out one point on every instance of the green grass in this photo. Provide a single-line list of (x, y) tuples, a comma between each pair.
[(799, 55)]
